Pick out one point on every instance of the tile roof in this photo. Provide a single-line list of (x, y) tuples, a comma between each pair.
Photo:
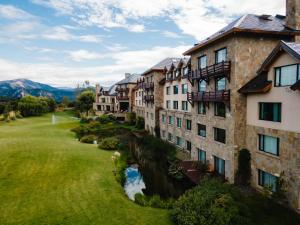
[(295, 47), (259, 84), (132, 78), (249, 23), (166, 63), (111, 90)]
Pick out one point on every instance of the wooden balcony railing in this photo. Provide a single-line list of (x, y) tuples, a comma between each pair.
[(123, 98), (148, 86), (210, 96), (221, 69), (149, 98), (119, 89)]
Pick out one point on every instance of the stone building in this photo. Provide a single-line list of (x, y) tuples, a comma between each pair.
[(175, 115), (125, 92), (105, 100), (273, 125), (220, 66), (153, 93), (138, 98)]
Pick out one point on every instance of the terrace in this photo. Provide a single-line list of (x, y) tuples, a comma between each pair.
[(210, 96)]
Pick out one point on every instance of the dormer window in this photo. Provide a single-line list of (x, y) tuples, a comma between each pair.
[(177, 73), (287, 75), (185, 71)]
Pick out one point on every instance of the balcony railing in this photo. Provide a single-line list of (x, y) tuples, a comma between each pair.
[(210, 96), (122, 98), (148, 86), (119, 89), (149, 98), (221, 69)]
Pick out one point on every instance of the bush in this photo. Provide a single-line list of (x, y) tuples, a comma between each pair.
[(110, 143), (131, 118), (211, 203), (153, 201), (104, 119), (89, 139), (140, 123)]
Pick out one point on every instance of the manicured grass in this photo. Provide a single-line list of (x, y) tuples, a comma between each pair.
[(48, 177)]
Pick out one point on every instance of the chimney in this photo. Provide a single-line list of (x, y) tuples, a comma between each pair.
[(293, 15), (97, 92), (127, 75)]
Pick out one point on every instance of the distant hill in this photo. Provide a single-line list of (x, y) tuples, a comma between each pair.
[(21, 87)]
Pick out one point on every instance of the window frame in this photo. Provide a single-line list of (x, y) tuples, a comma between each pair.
[(188, 128), (199, 61), (216, 54), (175, 87), (199, 155), (177, 122), (279, 67), (175, 104), (261, 179), (260, 114), (204, 108), (216, 107), (261, 144), (183, 89), (184, 106), (216, 135), (199, 126)]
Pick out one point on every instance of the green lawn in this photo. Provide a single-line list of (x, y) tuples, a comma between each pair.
[(47, 177)]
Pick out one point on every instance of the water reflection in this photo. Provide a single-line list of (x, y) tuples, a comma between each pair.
[(134, 182)]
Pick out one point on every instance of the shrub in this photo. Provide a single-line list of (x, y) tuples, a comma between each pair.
[(121, 165), (153, 201), (89, 139), (244, 167), (110, 143), (131, 118), (213, 202), (140, 123), (34, 106), (104, 119)]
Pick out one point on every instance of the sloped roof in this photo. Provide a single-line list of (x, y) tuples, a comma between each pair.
[(259, 84), (131, 79), (111, 90), (249, 23), (166, 63)]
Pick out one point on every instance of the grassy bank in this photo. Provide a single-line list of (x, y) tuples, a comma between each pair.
[(47, 177)]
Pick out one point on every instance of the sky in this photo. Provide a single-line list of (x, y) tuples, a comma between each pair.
[(66, 42)]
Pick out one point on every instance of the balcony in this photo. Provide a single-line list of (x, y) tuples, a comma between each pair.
[(148, 86), (149, 98), (123, 98), (210, 96), (119, 89), (217, 70)]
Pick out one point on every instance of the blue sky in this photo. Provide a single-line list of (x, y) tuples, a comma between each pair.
[(65, 42)]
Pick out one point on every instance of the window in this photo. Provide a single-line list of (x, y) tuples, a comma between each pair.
[(170, 137), (168, 90), (201, 85), (171, 120), (163, 118), (179, 141), (219, 166), (201, 108), (201, 130), (287, 75), (175, 104), (185, 71), (184, 88), (221, 84), (220, 109), (152, 116), (178, 122), (267, 180), (201, 156), (184, 105), (147, 115), (220, 135), (202, 61), (175, 89), (168, 104), (163, 133), (268, 144), (188, 124), (188, 145), (270, 111), (221, 55)]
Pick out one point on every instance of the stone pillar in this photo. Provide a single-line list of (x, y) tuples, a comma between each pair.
[(97, 92), (293, 15)]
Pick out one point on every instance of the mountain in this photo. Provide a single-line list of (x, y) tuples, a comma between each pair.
[(21, 87)]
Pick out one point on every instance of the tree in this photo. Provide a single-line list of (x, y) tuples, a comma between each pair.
[(65, 101), (85, 101), (35, 106)]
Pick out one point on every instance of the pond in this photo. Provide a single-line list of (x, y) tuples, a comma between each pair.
[(149, 175)]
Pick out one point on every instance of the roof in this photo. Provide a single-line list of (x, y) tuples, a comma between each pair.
[(249, 23), (111, 90), (166, 63), (130, 79), (296, 86), (260, 83)]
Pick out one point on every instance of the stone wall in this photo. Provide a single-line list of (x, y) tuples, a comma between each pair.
[(288, 160)]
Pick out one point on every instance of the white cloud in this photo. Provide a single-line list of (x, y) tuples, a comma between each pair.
[(171, 34), (61, 75), (13, 13), (198, 18), (82, 55)]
